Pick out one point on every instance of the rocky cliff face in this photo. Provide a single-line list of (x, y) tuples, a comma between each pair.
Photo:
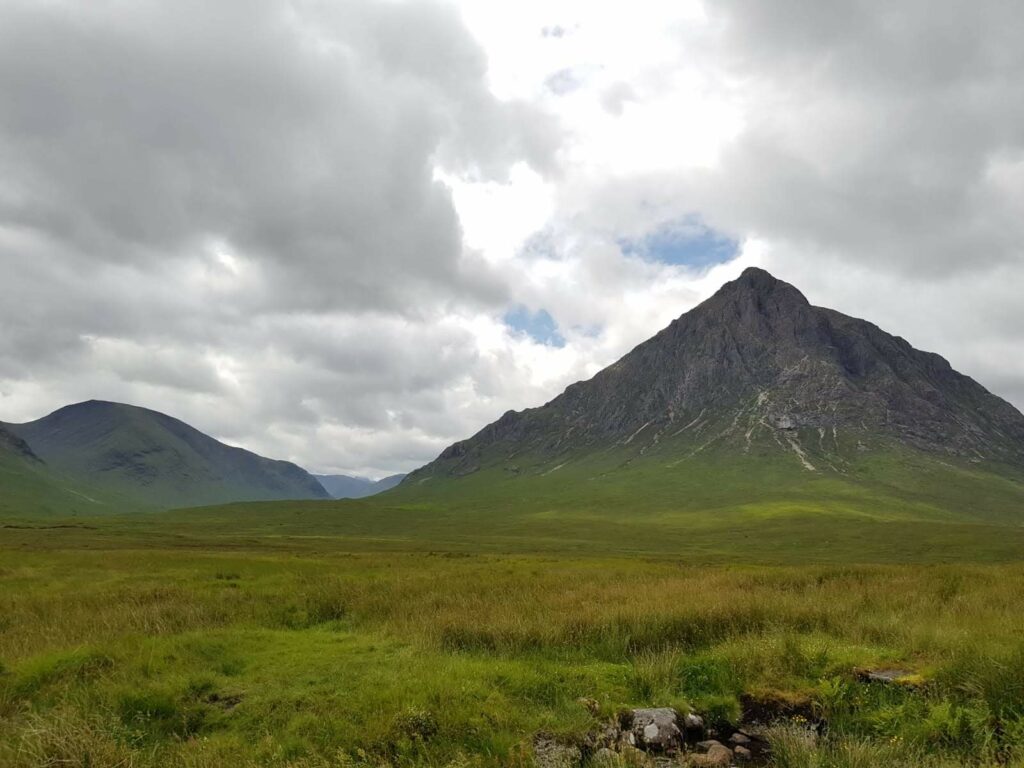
[(754, 365)]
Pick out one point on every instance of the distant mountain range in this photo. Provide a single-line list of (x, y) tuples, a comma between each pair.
[(354, 487), (110, 457)]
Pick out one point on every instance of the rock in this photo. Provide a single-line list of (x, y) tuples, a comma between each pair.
[(656, 729), (784, 421), (705, 746), (608, 736), (891, 675), (743, 754), (693, 725), (739, 738), (548, 753), (719, 754)]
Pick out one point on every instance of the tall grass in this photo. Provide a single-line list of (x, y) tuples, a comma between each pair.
[(173, 658)]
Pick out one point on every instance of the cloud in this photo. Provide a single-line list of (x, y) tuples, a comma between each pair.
[(895, 142), (326, 231), (231, 211), (305, 143)]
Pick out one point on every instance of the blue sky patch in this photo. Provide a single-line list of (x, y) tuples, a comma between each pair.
[(686, 242), (539, 325)]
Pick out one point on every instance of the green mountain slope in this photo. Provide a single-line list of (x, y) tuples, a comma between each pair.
[(150, 460), (29, 488), (752, 508)]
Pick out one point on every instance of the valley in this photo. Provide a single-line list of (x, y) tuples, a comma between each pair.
[(771, 517)]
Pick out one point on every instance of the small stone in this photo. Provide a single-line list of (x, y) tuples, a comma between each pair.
[(885, 675), (656, 729), (742, 753), (739, 738), (548, 753), (705, 746), (719, 755)]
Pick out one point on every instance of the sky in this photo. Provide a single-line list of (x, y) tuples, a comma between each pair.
[(350, 233)]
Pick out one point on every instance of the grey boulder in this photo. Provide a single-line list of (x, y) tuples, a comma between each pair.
[(657, 729)]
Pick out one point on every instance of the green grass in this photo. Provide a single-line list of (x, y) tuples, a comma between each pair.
[(449, 623), (163, 656), (894, 508), (32, 490)]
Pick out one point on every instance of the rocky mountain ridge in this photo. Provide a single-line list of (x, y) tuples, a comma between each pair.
[(757, 365)]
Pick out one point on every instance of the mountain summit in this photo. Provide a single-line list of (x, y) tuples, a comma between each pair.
[(755, 370)]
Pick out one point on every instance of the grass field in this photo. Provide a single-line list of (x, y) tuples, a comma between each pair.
[(451, 623), (177, 641)]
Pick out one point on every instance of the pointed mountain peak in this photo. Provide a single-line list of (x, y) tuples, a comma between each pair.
[(757, 365), (758, 276), (761, 284)]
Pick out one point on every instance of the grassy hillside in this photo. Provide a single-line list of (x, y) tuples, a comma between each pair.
[(30, 488), (154, 461), (893, 507), (888, 483)]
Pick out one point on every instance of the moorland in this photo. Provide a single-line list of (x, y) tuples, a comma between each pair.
[(770, 515)]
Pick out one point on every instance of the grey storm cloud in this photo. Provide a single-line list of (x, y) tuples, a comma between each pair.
[(895, 129), (301, 136), (187, 185), (890, 134)]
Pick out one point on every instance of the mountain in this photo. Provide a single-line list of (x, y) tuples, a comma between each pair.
[(13, 448), (151, 460), (29, 488), (754, 396), (354, 487)]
